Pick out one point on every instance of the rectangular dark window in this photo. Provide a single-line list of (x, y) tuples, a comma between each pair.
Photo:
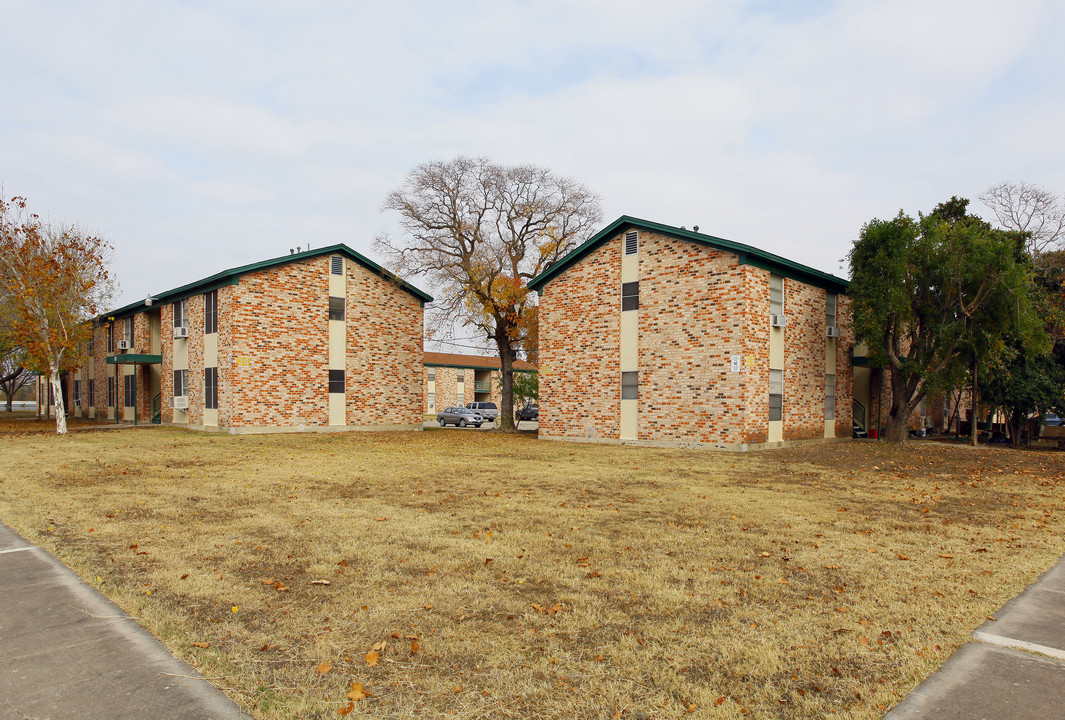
[(630, 381), (92, 343), (336, 265), (181, 313), (336, 308), (336, 381), (77, 392), (210, 388), (830, 310), (210, 312), (776, 395), (630, 295), (460, 376), (110, 338), (181, 382), (128, 331), (129, 387), (432, 375), (92, 393), (830, 397), (631, 240), (110, 392)]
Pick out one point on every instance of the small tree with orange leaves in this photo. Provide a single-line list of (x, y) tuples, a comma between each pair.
[(479, 231), (54, 282)]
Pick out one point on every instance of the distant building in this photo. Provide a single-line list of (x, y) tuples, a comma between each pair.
[(453, 380)]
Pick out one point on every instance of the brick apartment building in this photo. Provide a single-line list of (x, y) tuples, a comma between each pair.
[(453, 380), (322, 339), (664, 335)]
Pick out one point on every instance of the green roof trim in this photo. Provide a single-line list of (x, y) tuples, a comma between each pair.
[(233, 275), (134, 359), (747, 254)]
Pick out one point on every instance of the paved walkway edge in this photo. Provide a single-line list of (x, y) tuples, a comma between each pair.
[(126, 669)]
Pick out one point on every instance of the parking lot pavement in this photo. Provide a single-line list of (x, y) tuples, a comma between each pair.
[(523, 426)]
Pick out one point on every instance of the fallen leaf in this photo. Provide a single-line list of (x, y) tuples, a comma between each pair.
[(945, 555), (358, 692), (765, 554), (324, 667), (691, 707), (457, 689), (201, 644), (320, 582), (380, 646), (371, 657), (414, 646), (719, 700)]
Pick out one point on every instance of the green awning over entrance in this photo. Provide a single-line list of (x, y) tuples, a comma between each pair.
[(130, 359)]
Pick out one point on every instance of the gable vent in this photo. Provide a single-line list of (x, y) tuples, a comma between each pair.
[(336, 265), (631, 238)]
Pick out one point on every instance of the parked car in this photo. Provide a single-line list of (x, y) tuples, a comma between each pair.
[(529, 412), (459, 416), (487, 410)]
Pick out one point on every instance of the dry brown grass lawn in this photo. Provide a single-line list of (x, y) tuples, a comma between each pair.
[(511, 577)]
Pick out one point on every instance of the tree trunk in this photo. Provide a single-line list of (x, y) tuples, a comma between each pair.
[(506, 376), (974, 431), (60, 411), (902, 406)]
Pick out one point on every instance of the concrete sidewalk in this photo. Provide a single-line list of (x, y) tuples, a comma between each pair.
[(66, 651), (1013, 668)]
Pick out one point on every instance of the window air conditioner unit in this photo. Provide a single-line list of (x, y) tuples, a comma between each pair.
[(181, 332), (778, 320), (77, 401), (179, 402), (832, 332), (123, 344)]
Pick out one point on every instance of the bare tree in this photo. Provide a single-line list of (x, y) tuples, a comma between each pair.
[(56, 279), (1031, 209), (478, 231)]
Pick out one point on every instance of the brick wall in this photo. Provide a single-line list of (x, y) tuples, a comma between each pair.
[(690, 321), (698, 307), (580, 345)]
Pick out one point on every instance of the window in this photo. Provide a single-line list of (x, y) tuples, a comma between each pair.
[(630, 381), (111, 338), (631, 242), (181, 383), (830, 397), (830, 309), (129, 387), (336, 265), (77, 392), (432, 401), (92, 392), (92, 343), (210, 388), (181, 313), (630, 295), (432, 374), (110, 392), (210, 312), (336, 308), (336, 381), (127, 332), (776, 395), (776, 295), (460, 376), (459, 399)]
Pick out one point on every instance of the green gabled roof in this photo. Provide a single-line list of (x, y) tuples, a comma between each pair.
[(232, 277), (747, 255)]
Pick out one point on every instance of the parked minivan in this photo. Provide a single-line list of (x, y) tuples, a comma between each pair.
[(488, 410)]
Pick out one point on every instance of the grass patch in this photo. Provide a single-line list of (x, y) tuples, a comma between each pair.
[(514, 578)]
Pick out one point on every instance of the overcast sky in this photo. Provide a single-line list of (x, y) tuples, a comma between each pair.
[(198, 136)]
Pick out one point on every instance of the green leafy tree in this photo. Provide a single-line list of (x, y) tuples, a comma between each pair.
[(1026, 383), (926, 291)]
